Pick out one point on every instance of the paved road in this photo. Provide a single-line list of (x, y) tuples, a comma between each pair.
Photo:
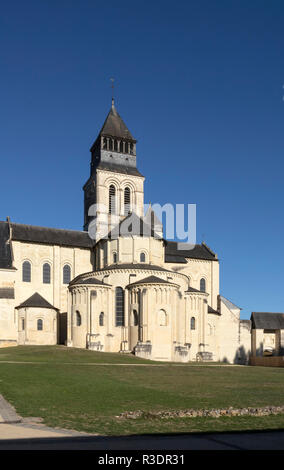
[(36, 440)]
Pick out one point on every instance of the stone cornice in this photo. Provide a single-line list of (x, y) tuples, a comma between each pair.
[(122, 174)]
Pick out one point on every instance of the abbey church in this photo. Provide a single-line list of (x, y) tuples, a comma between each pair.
[(118, 285)]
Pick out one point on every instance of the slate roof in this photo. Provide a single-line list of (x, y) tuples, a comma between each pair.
[(142, 266), (6, 259), (36, 300), (173, 255), (134, 225), (267, 321), (88, 280), (151, 280), (191, 289), (124, 169), (228, 303), (115, 127), (212, 311), (51, 236)]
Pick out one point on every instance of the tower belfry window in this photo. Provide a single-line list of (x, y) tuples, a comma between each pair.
[(111, 203), (127, 201)]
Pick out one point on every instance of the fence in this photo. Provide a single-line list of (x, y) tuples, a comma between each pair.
[(269, 361)]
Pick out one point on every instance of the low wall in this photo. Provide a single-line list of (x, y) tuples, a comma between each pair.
[(269, 361)]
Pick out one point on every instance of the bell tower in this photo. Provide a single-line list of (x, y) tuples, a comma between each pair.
[(115, 187)]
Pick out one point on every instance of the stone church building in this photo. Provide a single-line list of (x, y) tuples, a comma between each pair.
[(127, 288)]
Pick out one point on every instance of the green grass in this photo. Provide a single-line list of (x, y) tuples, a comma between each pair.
[(85, 390)]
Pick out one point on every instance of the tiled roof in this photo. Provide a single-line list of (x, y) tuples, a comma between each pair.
[(115, 127), (51, 236), (267, 321), (174, 255), (134, 225), (191, 289), (214, 312), (36, 300), (150, 280), (88, 280), (124, 169)]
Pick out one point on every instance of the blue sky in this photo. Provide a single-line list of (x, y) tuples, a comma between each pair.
[(199, 84)]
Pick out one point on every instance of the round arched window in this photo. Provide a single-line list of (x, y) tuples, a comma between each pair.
[(202, 285), (26, 271), (78, 319), (101, 319), (66, 274), (111, 201)]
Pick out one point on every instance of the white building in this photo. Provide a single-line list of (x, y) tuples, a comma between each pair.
[(132, 292)]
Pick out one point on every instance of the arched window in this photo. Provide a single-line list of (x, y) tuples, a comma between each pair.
[(115, 146), (23, 323), (39, 325), (119, 306), (104, 143), (126, 147), (131, 149), (127, 201), (26, 271), (162, 318), (135, 318), (114, 257), (66, 274), (202, 285), (121, 146), (110, 144), (101, 319), (192, 323), (142, 257), (46, 273), (111, 202), (78, 319)]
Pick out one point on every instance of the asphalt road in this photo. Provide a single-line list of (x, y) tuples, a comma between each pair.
[(267, 440)]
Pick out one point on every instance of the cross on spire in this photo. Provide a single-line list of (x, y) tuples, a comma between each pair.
[(112, 93)]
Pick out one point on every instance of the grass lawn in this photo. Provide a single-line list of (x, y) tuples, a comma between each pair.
[(85, 391)]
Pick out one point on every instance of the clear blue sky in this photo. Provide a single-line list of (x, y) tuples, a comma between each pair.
[(199, 84)]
